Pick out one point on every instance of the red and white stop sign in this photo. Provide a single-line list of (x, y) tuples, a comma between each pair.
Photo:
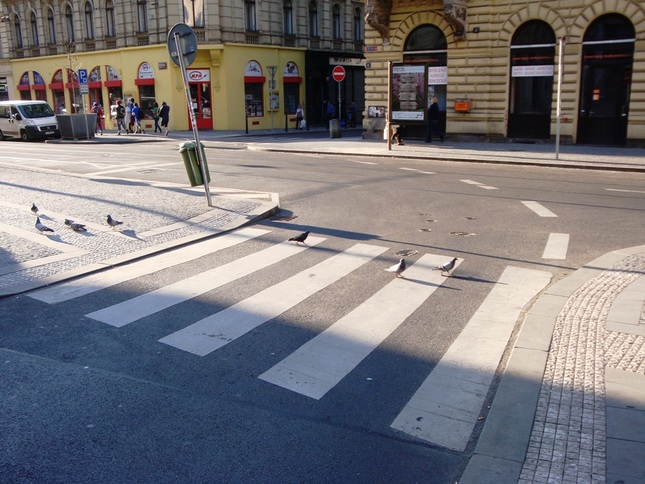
[(338, 73)]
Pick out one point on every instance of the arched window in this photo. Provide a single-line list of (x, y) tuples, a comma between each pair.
[(34, 29), (288, 17), (335, 22), (358, 25), (109, 19), (51, 26), (313, 20), (69, 23), (18, 31), (89, 21), (426, 38), (249, 15), (142, 13)]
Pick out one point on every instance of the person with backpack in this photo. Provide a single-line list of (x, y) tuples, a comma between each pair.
[(155, 116), (164, 114), (138, 115), (120, 117), (96, 109)]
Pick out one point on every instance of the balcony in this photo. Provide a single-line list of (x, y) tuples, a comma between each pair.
[(253, 38), (143, 38), (90, 45), (110, 42), (200, 34), (52, 49)]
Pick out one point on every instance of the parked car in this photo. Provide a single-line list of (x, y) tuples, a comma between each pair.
[(27, 120)]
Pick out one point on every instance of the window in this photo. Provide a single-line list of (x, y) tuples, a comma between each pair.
[(51, 26), (34, 30), (109, 19), (249, 15), (194, 13), (288, 17), (69, 23), (335, 22), (313, 20), (18, 32), (142, 12), (254, 96), (358, 25), (89, 21)]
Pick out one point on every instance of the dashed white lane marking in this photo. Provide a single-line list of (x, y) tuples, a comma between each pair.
[(364, 162), (541, 210), (96, 282), (135, 167), (219, 329), (556, 247), (150, 303), (318, 365), (479, 184), (418, 171), (445, 408), (624, 191)]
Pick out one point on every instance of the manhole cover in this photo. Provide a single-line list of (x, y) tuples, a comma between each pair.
[(425, 230), (462, 234), (149, 170), (286, 218), (406, 253)]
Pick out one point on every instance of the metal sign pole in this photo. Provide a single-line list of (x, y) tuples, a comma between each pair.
[(389, 106), (558, 112), (200, 152)]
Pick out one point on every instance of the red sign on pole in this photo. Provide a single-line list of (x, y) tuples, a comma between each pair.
[(338, 73)]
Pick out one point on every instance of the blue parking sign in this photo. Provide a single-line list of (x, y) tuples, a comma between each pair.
[(82, 76)]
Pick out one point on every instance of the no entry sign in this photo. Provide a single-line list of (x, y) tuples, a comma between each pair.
[(338, 73)]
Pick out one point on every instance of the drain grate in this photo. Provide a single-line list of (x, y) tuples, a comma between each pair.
[(150, 170)]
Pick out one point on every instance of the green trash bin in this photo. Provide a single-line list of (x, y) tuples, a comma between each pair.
[(188, 151)]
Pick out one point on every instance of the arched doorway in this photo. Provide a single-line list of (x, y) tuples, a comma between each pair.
[(427, 45), (531, 86), (607, 59)]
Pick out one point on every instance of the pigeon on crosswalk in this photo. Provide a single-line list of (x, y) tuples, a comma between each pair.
[(447, 267), (300, 238), (34, 208), (397, 268), (76, 227), (41, 227), (113, 222)]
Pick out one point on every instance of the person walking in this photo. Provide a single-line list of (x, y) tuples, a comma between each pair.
[(433, 120), (138, 115), (300, 115), (155, 116), (96, 109), (164, 114), (331, 113), (120, 117), (351, 116)]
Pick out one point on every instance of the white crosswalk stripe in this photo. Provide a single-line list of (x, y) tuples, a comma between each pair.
[(317, 366), (102, 280), (219, 329), (150, 303)]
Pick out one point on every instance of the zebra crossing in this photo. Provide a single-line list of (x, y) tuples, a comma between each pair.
[(315, 368)]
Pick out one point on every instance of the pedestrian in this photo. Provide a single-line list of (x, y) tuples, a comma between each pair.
[(300, 115), (397, 134), (433, 120), (331, 113), (96, 109), (155, 116), (164, 114), (138, 115), (120, 117), (128, 117), (351, 115)]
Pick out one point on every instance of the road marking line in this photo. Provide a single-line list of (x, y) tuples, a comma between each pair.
[(480, 185), (219, 329), (445, 408), (418, 171), (321, 363), (135, 167), (364, 162), (625, 191), (541, 210), (150, 303), (96, 282), (556, 247)]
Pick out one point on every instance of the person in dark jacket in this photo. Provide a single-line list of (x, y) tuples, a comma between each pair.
[(433, 120)]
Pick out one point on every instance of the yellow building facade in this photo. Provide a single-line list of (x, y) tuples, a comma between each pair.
[(495, 69)]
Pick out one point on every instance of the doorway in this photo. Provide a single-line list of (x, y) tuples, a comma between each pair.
[(200, 95)]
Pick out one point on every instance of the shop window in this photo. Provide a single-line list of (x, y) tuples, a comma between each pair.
[(291, 98), (253, 94), (147, 98)]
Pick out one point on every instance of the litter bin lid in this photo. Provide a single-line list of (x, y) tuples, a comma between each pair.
[(188, 145)]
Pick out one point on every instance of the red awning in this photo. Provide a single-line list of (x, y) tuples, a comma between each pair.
[(115, 83), (23, 87), (144, 82), (94, 85), (255, 79), (56, 86), (292, 80), (39, 87)]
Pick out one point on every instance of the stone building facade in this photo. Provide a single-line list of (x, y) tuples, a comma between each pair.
[(256, 59), (494, 67)]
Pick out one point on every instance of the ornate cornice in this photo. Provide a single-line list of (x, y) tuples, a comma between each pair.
[(377, 16)]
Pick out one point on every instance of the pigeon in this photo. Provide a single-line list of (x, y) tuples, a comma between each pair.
[(112, 222), (447, 267), (300, 238), (397, 268), (74, 226), (34, 208), (41, 227)]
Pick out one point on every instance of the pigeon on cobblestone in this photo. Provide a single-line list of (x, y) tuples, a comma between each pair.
[(75, 226), (112, 222), (397, 268), (300, 238), (41, 227), (34, 208), (447, 267)]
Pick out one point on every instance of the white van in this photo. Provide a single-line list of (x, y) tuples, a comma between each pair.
[(27, 120)]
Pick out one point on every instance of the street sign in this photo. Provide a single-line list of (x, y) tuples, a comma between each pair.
[(82, 76), (188, 44), (338, 73)]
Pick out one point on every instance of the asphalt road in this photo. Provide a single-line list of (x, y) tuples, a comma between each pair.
[(95, 403)]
